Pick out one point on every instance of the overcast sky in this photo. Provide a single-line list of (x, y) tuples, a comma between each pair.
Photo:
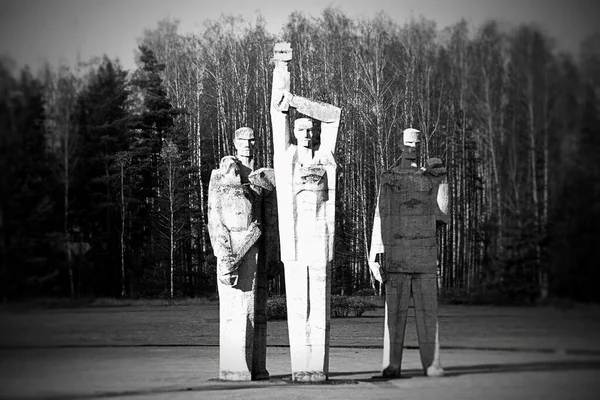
[(32, 31)]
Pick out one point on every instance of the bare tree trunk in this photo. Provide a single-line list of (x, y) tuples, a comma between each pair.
[(543, 275), (495, 199), (172, 246), (66, 205), (543, 279), (533, 174), (202, 230), (122, 230), (171, 225)]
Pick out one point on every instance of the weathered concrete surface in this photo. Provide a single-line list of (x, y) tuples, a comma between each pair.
[(234, 229), (172, 352), (411, 201), (481, 327), (405, 231), (188, 373), (305, 173), (243, 233)]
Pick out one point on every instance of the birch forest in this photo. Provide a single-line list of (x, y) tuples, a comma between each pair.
[(105, 171)]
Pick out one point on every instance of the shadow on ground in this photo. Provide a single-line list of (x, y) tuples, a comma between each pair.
[(336, 378), (458, 371)]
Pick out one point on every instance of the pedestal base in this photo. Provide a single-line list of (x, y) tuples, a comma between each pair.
[(309, 376), (235, 376)]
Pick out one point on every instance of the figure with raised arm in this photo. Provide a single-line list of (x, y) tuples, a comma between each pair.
[(404, 253), (305, 172)]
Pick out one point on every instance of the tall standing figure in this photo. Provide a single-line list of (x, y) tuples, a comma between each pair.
[(305, 173), (235, 225), (411, 200)]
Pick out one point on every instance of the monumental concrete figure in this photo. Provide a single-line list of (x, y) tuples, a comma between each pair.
[(411, 200), (305, 173), (235, 227)]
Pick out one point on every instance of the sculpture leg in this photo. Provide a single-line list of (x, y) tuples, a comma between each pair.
[(318, 322), (308, 322), (296, 291), (425, 296), (236, 325), (397, 299), (259, 354)]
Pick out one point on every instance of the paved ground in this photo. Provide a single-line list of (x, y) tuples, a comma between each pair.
[(171, 353)]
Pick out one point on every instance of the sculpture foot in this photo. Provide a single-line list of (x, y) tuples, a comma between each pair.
[(435, 371), (261, 376), (391, 372), (235, 376), (309, 376)]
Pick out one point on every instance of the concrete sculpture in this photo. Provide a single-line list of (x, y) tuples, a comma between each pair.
[(305, 173), (235, 224), (411, 200)]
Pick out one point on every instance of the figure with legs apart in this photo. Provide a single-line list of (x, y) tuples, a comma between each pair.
[(404, 253)]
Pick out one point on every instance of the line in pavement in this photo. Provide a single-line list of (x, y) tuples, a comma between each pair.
[(150, 345)]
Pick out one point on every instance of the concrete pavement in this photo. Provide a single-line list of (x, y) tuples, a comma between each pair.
[(189, 372), (172, 353)]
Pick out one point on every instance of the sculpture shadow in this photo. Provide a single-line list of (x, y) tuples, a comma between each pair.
[(336, 378), (342, 377), (568, 365), (571, 365)]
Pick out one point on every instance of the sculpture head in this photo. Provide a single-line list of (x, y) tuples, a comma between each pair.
[(230, 170), (303, 132), (244, 142), (410, 139)]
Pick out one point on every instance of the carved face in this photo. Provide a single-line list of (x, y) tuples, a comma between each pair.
[(410, 152), (410, 138), (244, 142), (303, 132)]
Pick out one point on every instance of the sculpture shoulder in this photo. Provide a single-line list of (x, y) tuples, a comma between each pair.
[(393, 171), (324, 157), (398, 173), (217, 174), (435, 168), (215, 179), (289, 155), (409, 180), (263, 178)]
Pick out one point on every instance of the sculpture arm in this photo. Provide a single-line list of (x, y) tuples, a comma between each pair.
[(220, 236), (252, 235), (377, 247), (279, 99), (436, 170), (221, 242), (217, 231), (443, 201)]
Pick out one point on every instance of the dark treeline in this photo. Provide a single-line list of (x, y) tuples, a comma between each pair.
[(105, 171)]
